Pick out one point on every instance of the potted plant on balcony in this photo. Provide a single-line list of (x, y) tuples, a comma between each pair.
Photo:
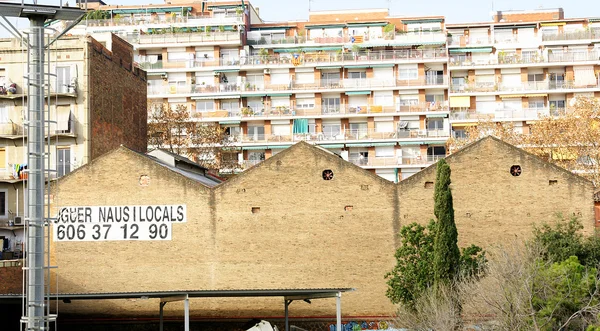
[(239, 11), (247, 111), (388, 31), (221, 28), (263, 53)]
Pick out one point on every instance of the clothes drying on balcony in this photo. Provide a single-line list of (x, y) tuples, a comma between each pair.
[(584, 76), (300, 125)]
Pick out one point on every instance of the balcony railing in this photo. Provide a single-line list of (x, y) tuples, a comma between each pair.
[(11, 129), (498, 114), (469, 41), (391, 39), (576, 35), (526, 59), (324, 84), (526, 86), (175, 38), (182, 20), (395, 160), (306, 59), (343, 135), (284, 111)]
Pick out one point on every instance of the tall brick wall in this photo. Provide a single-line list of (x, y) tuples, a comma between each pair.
[(490, 204), (529, 16), (117, 99), (305, 232), (11, 280)]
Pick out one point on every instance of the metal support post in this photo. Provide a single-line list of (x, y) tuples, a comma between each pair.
[(287, 317), (186, 318), (36, 300), (338, 311), (160, 316)]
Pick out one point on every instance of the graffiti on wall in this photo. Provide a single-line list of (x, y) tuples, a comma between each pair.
[(363, 325)]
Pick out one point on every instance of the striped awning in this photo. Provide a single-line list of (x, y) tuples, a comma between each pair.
[(465, 124), (537, 95), (512, 96)]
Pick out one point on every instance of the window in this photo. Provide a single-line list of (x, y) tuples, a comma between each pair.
[(256, 104), (204, 106), (439, 98), (233, 106), (358, 130), (2, 158), (408, 73), (386, 151), (435, 124), (4, 113), (256, 156), (305, 103), (3, 203), (63, 78), (63, 163), (332, 130), (459, 134), (255, 81), (330, 105), (357, 75), (383, 98), (535, 78), (536, 103), (330, 78), (256, 133), (436, 150)]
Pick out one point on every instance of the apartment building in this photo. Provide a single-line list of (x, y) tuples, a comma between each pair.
[(382, 91), (369, 86), (96, 100), (523, 65)]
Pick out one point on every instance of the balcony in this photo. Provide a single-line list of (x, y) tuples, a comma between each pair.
[(393, 161), (398, 39), (149, 21), (465, 41), (341, 136), (11, 129), (575, 35), (181, 38), (503, 59), (526, 86), (342, 110), (505, 114), (344, 84), (304, 59)]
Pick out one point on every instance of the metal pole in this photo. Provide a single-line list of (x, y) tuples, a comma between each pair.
[(35, 183), (338, 311), (160, 316), (287, 319), (186, 318)]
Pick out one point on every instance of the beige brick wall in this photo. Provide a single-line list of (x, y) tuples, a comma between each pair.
[(490, 204), (303, 236)]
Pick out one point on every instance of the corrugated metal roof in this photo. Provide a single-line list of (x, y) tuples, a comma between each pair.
[(302, 292)]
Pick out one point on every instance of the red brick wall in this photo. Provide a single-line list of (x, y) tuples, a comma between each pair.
[(11, 280), (529, 16), (117, 99)]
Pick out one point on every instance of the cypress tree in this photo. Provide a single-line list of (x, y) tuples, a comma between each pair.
[(446, 255)]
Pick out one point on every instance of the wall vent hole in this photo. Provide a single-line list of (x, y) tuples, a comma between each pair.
[(328, 174), (255, 210), (515, 170), (428, 184), (552, 182), (348, 208)]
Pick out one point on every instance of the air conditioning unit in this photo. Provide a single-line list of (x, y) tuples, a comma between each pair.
[(268, 71), (18, 220)]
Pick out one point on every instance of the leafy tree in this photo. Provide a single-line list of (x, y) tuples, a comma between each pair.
[(446, 255), (560, 293), (206, 143), (570, 139), (413, 272)]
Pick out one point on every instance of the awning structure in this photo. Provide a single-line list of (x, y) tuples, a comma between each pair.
[(227, 70), (356, 66), (383, 144), (512, 96), (436, 115), (211, 97), (465, 124), (471, 50), (358, 92), (464, 102), (537, 95), (150, 10), (229, 122), (411, 143), (328, 67), (63, 117), (334, 146), (325, 26), (254, 148), (350, 25), (553, 24), (359, 145), (423, 20), (279, 146), (383, 65)]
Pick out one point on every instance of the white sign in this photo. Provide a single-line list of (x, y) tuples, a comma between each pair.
[(103, 223)]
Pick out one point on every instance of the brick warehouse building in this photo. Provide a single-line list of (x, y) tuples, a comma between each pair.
[(281, 225)]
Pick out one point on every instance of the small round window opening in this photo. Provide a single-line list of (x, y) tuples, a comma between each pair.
[(515, 170), (327, 174)]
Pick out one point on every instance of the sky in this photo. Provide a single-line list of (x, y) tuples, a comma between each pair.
[(457, 11)]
